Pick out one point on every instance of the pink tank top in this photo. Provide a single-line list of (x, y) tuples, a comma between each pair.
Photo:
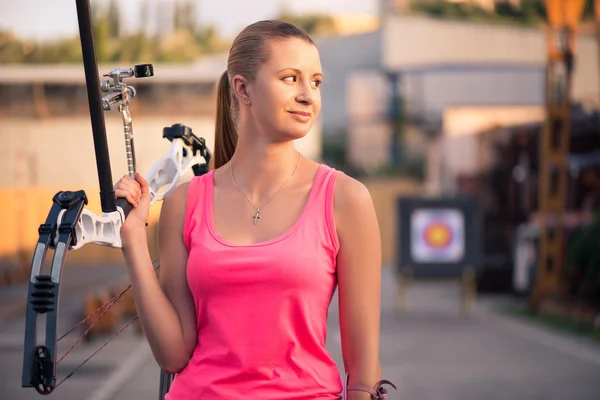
[(261, 309)]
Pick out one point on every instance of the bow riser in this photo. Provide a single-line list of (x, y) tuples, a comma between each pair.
[(188, 153)]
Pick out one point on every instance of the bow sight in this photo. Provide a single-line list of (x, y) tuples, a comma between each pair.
[(120, 96), (69, 225)]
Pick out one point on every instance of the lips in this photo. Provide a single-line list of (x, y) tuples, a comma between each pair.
[(300, 116), (306, 114)]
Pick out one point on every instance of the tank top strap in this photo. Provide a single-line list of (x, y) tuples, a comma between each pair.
[(195, 197), (324, 198)]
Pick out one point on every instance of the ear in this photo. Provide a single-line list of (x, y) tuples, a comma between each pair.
[(240, 88)]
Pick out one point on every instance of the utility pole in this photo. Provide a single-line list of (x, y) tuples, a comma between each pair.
[(563, 24)]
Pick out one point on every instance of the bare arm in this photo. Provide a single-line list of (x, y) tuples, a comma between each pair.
[(359, 282), (164, 304)]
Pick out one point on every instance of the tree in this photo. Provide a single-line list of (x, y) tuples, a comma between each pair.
[(112, 44), (11, 49), (101, 31), (313, 23), (176, 16), (114, 19)]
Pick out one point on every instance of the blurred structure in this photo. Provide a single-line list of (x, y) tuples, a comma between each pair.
[(463, 104), (348, 24), (415, 69), (488, 5), (399, 6), (563, 23)]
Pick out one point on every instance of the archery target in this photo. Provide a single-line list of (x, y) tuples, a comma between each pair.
[(437, 236)]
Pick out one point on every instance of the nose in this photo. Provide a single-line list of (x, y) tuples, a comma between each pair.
[(305, 94)]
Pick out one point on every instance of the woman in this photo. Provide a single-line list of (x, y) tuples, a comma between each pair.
[(251, 252)]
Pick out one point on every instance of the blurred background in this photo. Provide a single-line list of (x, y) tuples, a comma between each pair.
[(492, 101)]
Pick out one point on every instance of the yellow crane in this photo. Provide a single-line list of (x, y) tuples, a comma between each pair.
[(563, 24)]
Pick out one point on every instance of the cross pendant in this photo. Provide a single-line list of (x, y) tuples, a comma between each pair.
[(256, 216)]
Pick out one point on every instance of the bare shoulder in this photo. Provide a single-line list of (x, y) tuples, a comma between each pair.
[(350, 195), (172, 212), (353, 210), (178, 194)]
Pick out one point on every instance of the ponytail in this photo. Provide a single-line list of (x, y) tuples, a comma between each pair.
[(225, 132)]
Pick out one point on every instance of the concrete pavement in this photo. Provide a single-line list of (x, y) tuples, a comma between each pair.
[(432, 352)]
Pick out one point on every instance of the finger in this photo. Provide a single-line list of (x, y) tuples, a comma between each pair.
[(132, 185), (144, 188), (137, 182), (125, 194), (125, 182), (123, 178), (124, 189), (140, 179)]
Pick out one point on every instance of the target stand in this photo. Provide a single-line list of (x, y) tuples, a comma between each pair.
[(438, 239)]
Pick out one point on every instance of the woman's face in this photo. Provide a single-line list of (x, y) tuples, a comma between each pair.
[(285, 95)]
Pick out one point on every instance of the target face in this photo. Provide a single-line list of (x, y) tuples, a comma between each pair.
[(437, 235)]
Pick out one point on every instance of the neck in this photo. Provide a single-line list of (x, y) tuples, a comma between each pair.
[(259, 167)]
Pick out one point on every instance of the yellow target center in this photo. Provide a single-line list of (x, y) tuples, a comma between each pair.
[(438, 235)]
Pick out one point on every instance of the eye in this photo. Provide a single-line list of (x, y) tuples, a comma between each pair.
[(291, 78), (317, 82)]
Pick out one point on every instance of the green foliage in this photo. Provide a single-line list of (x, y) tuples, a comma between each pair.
[(334, 150), (12, 50), (184, 43), (530, 12), (113, 19), (588, 10), (312, 23), (410, 167), (583, 252), (184, 16), (561, 324), (113, 44)]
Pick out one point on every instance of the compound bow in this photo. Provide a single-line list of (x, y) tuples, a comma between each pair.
[(69, 225)]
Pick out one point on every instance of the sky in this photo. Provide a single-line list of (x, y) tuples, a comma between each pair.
[(50, 19)]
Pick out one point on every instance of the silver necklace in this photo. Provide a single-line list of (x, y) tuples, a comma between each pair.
[(257, 216)]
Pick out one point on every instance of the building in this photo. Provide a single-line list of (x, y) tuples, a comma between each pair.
[(489, 74)]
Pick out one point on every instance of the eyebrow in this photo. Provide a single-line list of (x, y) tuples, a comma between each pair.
[(296, 70)]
